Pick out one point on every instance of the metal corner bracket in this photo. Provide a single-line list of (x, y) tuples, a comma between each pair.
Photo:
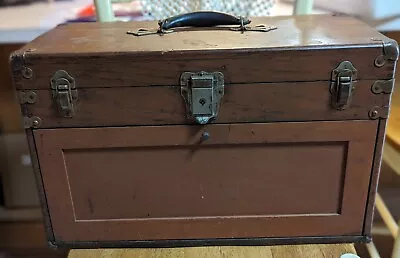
[(390, 53), (391, 50)]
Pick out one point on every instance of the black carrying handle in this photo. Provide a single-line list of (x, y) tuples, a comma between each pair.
[(202, 19)]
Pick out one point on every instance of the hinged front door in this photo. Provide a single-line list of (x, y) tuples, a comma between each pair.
[(202, 182)]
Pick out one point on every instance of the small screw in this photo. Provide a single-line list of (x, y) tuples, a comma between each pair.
[(36, 122), (205, 136), (373, 114), (31, 97), (27, 73), (380, 61)]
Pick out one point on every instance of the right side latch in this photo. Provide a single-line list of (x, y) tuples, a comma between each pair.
[(342, 84)]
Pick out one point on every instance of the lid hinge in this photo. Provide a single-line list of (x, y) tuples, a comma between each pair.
[(27, 97), (343, 85), (390, 53), (32, 122), (64, 93), (383, 86), (378, 112)]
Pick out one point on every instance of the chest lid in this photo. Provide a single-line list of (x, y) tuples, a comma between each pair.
[(301, 48)]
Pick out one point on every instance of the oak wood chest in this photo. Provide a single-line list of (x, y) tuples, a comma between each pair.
[(213, 135)]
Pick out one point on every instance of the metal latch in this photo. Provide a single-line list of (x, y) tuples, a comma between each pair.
[(64, 93), (342, 85), (202, 93)]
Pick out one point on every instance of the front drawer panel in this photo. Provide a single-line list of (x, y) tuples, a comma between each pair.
[(229, 180), (246, 180)]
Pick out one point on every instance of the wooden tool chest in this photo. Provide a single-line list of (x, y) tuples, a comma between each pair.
[(235, 134)]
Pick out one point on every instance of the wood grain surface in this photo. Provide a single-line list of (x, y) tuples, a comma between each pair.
[(263, 102), (318, 31), (283, 251), (301, 49)]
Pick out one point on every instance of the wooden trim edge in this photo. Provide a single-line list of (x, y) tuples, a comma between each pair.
[(374, 179), (41, 191)]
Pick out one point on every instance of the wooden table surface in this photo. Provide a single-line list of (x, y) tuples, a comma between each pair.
[(282, 251)]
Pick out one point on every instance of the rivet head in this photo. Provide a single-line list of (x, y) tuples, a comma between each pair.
[(376, 88), (27, 73), (380, 61), (373, 114), (31, 97), (36, 122)]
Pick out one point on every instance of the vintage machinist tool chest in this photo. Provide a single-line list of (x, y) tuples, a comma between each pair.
[(207, 135)]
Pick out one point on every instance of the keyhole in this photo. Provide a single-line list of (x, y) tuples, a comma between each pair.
[(202, 101)]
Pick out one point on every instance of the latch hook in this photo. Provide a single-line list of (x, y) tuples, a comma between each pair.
[(342, 84), (202, 93), (64, 93)]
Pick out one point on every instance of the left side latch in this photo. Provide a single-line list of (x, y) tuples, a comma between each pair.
[(64, 93)]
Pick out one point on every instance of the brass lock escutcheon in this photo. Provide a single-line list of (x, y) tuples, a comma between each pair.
[(202, 92), (64, 93), (343, 85)]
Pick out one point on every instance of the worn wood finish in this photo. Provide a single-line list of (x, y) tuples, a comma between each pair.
[(123, 70), (301, 49), (281, 165), (39, 182), (373, 188), (241, 103), (232, 194), (291, 251), (292, 31)]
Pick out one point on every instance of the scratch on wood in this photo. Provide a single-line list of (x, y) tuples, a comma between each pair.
[(90, 204)]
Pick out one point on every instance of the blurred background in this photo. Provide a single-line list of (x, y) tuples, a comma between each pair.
[(21, 229)]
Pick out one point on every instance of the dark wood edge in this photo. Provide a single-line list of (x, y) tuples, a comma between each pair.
[(39, 184), (373, 185), (191, 123), (213, 242)]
